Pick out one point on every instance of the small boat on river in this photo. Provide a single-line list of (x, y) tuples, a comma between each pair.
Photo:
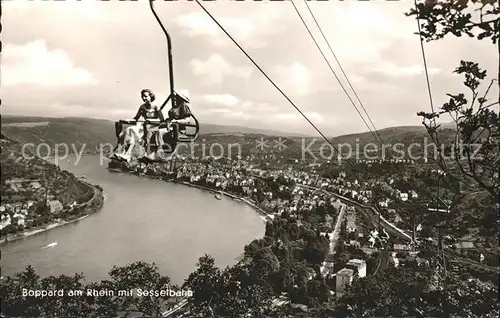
[(50, 245)]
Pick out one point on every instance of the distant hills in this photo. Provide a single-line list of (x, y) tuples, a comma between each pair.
[(103, 124), (393, 135), (93, 132), (77, 131)]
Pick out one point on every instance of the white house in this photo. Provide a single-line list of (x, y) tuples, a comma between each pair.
[(326, 268), (395, 259), (6, 221), (359, 265), (55, 206), (343, 279), (404, 197), (351, 223)]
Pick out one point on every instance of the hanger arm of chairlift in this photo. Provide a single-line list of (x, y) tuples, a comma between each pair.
[(165, 102), (169, 47)]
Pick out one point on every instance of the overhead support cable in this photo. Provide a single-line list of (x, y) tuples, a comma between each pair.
[(374, 134), (429, 90), (272, 82), (361, 176), (331, 69), (342, 69)]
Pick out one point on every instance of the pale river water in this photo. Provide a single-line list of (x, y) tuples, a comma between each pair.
[(142, 219)]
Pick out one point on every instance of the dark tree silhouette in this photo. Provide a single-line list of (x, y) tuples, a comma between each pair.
[(382, 296), (136, 275)]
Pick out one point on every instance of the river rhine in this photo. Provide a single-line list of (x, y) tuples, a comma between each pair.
[(142, 220)]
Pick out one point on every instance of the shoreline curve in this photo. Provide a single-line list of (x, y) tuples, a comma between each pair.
[(100, 194), (98, 197), (263, 214)]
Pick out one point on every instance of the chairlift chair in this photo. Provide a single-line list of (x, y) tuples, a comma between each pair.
[(438, 205), (181, 133)]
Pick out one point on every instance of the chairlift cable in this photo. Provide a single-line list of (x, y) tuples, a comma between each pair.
[(426, 73), (438, 196), (361, 176), (425, 61), (274, 84), (268, 78), (429, 86), (429, 90), (342, 69), (345, 75), (331, 69)]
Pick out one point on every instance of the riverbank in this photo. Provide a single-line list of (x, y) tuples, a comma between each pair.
[(92, 206), (263, 214), (266, 217)]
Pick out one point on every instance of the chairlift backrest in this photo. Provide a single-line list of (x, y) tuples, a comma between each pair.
[(438, 205)]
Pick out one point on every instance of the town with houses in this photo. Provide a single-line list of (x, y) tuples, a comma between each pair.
[(367, 223), (300, 190), (361, 235), (35, 193)]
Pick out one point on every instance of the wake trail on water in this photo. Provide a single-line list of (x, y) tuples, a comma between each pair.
[(50, 245)]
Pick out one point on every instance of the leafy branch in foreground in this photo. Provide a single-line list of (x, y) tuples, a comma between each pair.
[(16, 302), (381, 296), (475, 149), (248, 288), (475, 18)]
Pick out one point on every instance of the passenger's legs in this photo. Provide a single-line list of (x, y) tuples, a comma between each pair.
[(149, 138), (131, 140)]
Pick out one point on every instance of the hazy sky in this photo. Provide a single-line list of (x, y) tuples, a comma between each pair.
[(92, 59)]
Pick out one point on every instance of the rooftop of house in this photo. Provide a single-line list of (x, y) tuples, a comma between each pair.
[(357, 262), (464, 245), (422, 260), (345, 272), (400, 246)]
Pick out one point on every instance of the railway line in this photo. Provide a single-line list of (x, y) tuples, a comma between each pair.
[(392, 229)]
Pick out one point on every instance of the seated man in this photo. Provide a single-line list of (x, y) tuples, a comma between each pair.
[(179, 114), (181, 109)]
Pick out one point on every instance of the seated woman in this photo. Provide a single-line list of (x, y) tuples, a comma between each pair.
[(141, 131)]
